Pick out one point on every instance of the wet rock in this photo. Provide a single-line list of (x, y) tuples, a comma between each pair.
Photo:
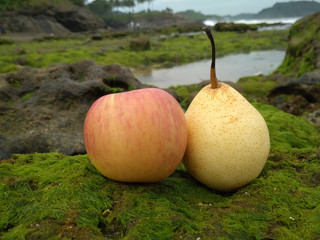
[(43, 110), (297, 96), (234, 27)]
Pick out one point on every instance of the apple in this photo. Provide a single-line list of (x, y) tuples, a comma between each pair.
[(136, 136)]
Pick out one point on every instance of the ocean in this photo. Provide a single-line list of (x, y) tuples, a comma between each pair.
[(285, 22)]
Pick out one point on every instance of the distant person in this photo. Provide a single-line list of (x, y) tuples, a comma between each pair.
[(132, 25), (3, 29), (138, 26)]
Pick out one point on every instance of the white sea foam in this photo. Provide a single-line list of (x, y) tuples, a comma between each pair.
[(288, 21)]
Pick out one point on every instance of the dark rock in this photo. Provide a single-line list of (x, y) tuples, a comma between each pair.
[(21, 60), (121, 76), (51, 20), (173, 93), (97, 37), (139, 44), (234, 27), (161, 21), (43, 110), (78, 19), (314, 117), (297, 96), (298, 90)]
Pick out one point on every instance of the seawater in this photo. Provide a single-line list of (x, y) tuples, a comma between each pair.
[(286, 21), (228, 68)]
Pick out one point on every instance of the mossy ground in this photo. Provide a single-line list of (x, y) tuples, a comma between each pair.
[(52, 196), (163, 53)]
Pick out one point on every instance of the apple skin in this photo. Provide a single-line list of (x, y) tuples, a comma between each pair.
[(136, 136)]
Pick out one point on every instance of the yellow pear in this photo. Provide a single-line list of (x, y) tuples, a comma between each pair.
[(228, 139)]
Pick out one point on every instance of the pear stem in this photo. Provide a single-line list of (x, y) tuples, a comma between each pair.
[(213, 77)]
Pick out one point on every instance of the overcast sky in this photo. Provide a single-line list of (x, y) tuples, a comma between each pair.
[(218, 7)]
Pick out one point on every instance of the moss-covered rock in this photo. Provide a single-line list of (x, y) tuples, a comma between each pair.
[(53, 196), (5, 41), (303, 52), (234, 27), (139, 44), (43, 110)]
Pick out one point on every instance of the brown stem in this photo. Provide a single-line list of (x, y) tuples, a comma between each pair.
[(213, 77)]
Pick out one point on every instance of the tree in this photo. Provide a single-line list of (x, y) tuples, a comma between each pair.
[(128, 3), (100, 7), (80, 3), (14, 4), (11, 4)]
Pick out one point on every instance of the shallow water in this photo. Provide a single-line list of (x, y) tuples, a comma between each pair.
[(229, 68)]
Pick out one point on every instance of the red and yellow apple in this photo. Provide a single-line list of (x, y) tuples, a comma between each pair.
[(136, 136)]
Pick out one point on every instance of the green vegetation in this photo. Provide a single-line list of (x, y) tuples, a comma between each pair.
[(255, 88), (193, 15), (25, 97), (301, 52), (288, 132), (19, 4), (184, 92), (105, 10), (4, 41), (199, 16), (174, 50), (52, 196)]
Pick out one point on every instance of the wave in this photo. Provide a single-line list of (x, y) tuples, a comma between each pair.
[(287, 21)]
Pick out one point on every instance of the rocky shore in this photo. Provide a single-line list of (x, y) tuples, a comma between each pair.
[(43, 109)]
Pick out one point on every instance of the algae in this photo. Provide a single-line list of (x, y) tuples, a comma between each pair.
[(26, 96), (255, 88), (162, 53), (302, 47), (52, 196)]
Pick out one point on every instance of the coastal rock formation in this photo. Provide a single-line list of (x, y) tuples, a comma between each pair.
[(43, 110), (299, 91), (290, 9), (234, 27), (50, 20), (297, 96)]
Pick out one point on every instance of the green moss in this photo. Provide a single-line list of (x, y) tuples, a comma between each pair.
[(184, 92), (5, 41), (254, 87), (289, 133), (304, 38), (38, 188), (25, 97), (51, 196), (116, 89), (172, 51), (11, 67), (307, 63), (14, 83)]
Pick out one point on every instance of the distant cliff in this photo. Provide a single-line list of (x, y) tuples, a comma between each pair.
[(278, 10), (290, 9), (50, 19)]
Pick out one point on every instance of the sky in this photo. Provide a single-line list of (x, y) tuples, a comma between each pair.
[(218, 7)]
